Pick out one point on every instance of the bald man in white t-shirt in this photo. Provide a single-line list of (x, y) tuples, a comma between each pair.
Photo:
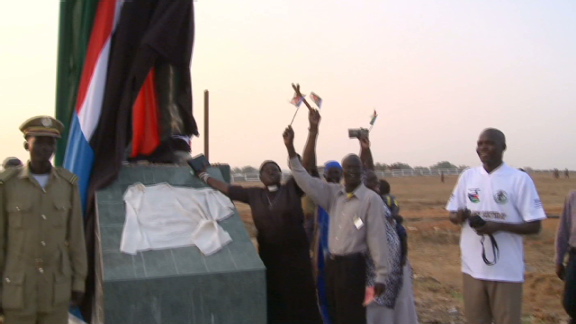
[(496, 205)]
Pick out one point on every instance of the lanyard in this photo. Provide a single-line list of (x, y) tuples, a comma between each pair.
[(495, 250)]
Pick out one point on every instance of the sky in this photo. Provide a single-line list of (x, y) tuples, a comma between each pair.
[(437, 72)]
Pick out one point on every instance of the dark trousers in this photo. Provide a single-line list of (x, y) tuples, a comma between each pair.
[(346, 280), (570, 287)]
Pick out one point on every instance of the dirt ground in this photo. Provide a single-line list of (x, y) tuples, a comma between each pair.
[(435, 254)]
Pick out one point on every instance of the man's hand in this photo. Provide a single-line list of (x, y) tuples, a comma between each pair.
[(288, 136), (488, 228), (560, 271), (197, 165), (460, 216), (379, 289), (76, 299), (364, 142), (314, 119)]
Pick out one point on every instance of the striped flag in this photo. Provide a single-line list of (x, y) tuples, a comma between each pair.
[(297, 100), (317, 100), (135, 62), (82, 72), (83, 117), (125, 81), (374, 116), (74, 36)]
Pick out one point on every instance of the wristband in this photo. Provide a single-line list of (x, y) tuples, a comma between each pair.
[(204, 176)]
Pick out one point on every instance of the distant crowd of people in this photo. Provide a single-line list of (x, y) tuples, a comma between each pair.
[(556, 174), (334, 246)]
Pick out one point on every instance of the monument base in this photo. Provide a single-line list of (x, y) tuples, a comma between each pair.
[(174, 286)]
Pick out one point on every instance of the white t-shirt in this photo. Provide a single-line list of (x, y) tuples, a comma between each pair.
[(162, 216), (42, 179), (506, 195)]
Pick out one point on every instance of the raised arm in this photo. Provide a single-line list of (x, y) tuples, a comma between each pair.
[(309, 154), (365, 153), (319, 190), (236, 193), (221, 186)]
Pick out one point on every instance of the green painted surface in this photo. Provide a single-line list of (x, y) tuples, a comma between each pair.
[(180, 285)]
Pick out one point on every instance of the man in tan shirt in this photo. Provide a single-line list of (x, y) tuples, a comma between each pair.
[(356, 229), (43, 261)]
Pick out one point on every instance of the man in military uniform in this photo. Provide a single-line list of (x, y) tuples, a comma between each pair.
[(43, 261)]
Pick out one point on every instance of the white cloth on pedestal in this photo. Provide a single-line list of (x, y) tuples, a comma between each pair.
[(162, 216)]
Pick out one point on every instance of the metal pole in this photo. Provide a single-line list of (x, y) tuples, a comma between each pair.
[(206, 124)]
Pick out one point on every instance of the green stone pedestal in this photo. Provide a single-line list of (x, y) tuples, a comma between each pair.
[(174, 286)]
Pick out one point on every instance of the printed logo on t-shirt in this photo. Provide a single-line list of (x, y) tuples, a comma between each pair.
[(474, 195), (492, 215), (501, 197)]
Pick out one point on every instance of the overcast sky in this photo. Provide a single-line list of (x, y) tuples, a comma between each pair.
[(437, 72)]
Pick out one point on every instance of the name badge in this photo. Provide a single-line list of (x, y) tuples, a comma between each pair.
[(358, 223)]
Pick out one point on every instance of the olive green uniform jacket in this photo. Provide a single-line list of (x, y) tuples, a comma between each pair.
[(42, 247)]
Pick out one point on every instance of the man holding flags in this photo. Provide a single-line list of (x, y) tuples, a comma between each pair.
[(357, 228), (321, 218)]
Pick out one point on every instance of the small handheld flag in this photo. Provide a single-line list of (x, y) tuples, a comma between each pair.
[(373, 120), (297, 100), (317, 100), (374, 116)]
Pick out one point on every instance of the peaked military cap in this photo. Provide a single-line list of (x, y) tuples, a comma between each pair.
[(42, 126)]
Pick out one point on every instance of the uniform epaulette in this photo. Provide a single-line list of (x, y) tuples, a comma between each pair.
[(69, 176), (9, 173)]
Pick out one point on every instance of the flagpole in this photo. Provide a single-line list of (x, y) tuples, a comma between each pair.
[(297, 108)]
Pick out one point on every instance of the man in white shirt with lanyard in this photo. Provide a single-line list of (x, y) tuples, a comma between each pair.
[(495, 204)]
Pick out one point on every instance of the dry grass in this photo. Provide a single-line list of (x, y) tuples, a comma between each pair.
[(435, 254)]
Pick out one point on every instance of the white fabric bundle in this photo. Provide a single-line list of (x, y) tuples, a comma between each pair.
[(162, 217)]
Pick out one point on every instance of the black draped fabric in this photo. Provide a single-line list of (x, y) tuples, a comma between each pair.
[(150, 34), (284, 249)]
